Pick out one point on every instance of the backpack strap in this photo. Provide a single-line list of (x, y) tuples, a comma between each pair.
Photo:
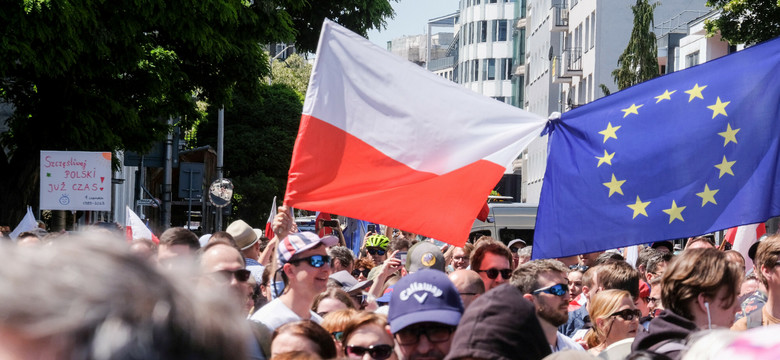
[(755, 319)]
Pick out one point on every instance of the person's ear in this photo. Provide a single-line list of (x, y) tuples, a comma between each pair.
[(702, 302), (287, 268), (529, 297), (387, 328)]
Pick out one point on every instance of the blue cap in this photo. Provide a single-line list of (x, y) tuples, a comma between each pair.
[(424, 296)]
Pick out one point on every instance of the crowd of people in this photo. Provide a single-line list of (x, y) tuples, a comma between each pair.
[(238, 295)]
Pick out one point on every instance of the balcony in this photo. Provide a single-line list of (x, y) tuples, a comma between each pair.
[(519, 70), (559, 18), (571, 62), (555, 72)]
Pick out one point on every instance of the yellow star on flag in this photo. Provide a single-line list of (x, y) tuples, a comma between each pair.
[(707, 195), (665, 96), (730, 135), (609, 132), (718, 108), (614, 186), (631, 110), (725, 167), (675, 212), (639, 207), (695, 92), (607, 158)]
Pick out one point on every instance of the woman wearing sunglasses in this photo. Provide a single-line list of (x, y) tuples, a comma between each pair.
[(335, 322), (366, 337), (614, 318)]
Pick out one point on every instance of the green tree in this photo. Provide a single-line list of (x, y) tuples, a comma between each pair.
[(745, 22), (98, 75), (260, 132), (294, 72), (639, 60)]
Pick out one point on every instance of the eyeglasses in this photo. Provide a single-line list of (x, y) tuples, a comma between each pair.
[(557, 290), (338, 335), (410, 335), (628, 314), (379, 252), (378, 352), (460, 258), (241, 275), (493, 273), (357, 272), (317, 261)]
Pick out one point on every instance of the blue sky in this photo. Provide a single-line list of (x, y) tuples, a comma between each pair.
[(411, 17)]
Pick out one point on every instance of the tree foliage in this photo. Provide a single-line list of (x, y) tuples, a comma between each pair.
[(100, 75), (745, 22), (294, 72), (260, 132), (639, 61)]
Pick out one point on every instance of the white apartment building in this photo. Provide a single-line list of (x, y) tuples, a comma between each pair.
[(581, 41), (485, 47)]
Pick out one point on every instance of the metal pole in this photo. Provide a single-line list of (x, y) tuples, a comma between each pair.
[(220, 153), (189, 202), (140, 181), (166, 210)]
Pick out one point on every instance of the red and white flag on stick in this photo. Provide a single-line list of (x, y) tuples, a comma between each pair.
[(382, 139), (136, 229), (742, 237), (269, 231)]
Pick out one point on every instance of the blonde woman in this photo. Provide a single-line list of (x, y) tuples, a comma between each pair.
[(614, 318)]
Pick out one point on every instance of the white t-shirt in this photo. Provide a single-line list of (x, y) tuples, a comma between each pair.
[(275, 314), (565, 343)]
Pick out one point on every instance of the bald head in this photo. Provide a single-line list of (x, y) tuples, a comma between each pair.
[(469, 285), (220, 257)]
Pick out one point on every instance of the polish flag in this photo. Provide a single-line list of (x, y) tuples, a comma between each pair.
[(742, 237), (269, 231), (384, 140), (136, 229)]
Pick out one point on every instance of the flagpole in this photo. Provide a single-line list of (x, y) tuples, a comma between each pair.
[(220, 158)]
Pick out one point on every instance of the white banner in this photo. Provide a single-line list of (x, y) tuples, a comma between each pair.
[(75, 180)]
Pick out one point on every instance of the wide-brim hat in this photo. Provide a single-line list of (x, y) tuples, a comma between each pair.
[(348, 282), (242, 233), (297, 243)]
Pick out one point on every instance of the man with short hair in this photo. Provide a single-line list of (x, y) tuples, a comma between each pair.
[(177, 247), (248, 242), (425, 309), (304, 264), (544, 283), (223, 265), (469, 285), (656, 265), (768, 272), (341, 258), (700, 242), (492, 260)]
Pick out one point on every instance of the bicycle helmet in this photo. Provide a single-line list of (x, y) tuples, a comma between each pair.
[(379, 241)]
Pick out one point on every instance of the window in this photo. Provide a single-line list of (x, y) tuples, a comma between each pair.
[(692, 59), (507, 69), (490, 69), (475, 72), (482, 32), (492, 1), (471, 33), (500, 30), (592, 29), (587, 33)]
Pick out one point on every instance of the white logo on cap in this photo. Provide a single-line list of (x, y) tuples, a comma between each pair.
[(418, 287)]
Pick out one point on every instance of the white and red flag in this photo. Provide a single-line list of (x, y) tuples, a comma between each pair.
[(742, 237), (381, 139), (136, 229), (269, 229)]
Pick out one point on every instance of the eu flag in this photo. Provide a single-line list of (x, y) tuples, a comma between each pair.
[(685, 154)]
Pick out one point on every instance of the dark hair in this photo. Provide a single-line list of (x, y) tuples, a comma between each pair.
[(28, 233), (263, 243), (180, 236), (706, 238), (657, 258), (398, 244), (312, 331), (643, 256), (224, 236), (343, 254), (698, 271), (526, 276), (608, 257), (334, 293), (489, 246), (618, 275)]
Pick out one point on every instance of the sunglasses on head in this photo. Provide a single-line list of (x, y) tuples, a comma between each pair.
[(317, 261), (378, 352), (241, 275), (357, 272), (379, 252), (493, 273), (628, 314), (557, 290)]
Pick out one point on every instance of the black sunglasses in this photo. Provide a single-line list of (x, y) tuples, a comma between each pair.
[(557, 290), (317, 261), (378, 352), (435, 334), (493, 273), (357, 272), (241, 275), (628, 314), (379, 252)]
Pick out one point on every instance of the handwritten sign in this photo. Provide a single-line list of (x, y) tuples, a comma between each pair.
[(76, 180)]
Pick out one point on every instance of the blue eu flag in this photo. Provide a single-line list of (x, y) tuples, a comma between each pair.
[(685, 154)]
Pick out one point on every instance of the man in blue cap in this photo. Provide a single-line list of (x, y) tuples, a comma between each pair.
[(425, 309)]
